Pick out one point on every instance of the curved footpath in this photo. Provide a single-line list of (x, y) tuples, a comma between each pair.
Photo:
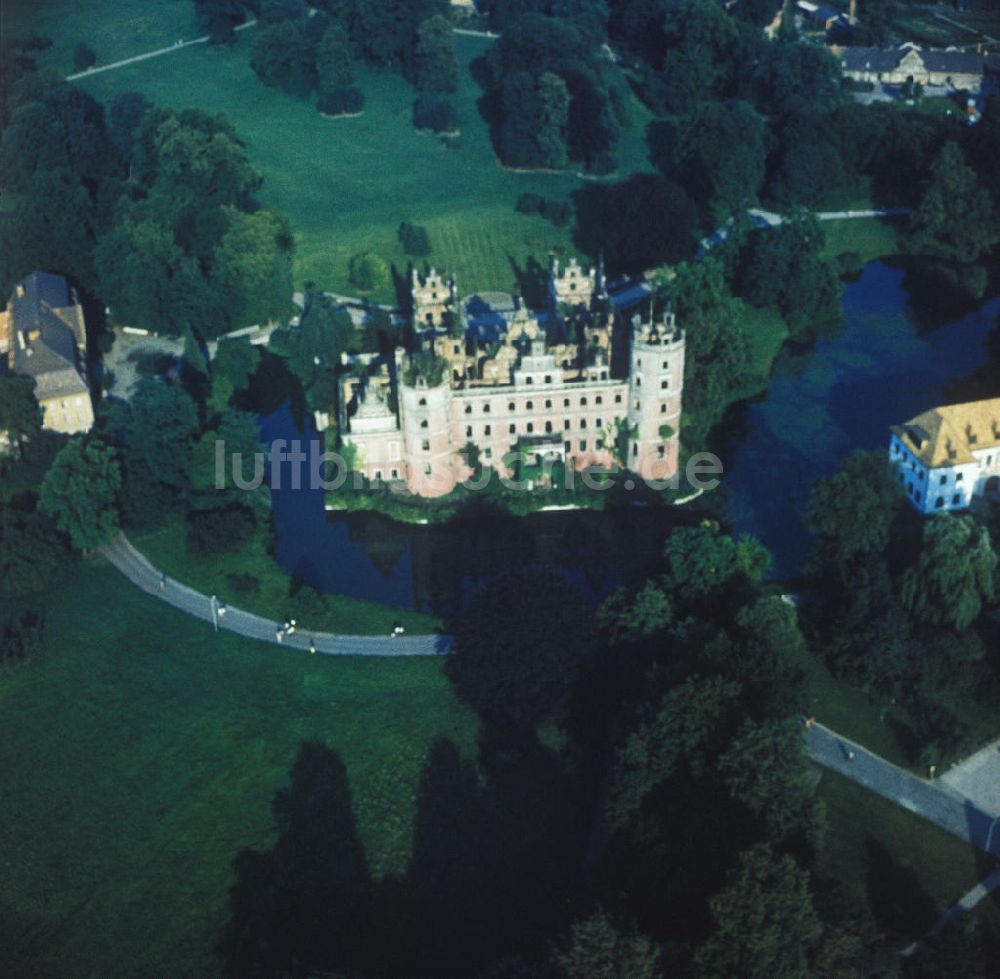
[(141, 572)]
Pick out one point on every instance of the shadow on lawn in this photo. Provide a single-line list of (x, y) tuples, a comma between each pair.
[(493, 857)]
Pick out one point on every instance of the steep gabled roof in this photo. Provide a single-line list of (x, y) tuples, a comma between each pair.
[(948, 436)]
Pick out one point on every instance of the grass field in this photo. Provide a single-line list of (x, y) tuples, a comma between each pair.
[(140, 751), (870, 238), (925, 858), (165, 547), (115, 29), (346, 184)]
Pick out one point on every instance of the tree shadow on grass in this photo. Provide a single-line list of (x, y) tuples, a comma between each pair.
[(901, 906), (496, 849)]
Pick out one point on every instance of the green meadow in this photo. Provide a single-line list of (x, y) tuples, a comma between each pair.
[(140, 752), (346, 184)]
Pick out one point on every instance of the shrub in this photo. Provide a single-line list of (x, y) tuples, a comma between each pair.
[(84, 57), (530, 203), (368, 272), (435, 113), (215, 530), (414, 239), (341, 102), (21, 636)]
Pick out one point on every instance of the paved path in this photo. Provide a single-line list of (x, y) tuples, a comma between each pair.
[(978, 778), (142, 573), (935, 801), (179, 46)]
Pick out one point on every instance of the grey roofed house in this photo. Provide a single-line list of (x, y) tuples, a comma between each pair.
[(47, 335), (909, 59)]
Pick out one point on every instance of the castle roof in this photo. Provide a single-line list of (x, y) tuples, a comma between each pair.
[(889, 59), (947, 436)]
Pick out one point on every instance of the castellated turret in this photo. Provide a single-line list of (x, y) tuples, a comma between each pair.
[(656, 380), (424, 386)]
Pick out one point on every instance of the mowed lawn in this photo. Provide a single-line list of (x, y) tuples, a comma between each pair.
[(115, 29), (346, 184), (140, 752)]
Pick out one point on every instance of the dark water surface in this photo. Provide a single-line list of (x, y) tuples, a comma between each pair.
[(842, 394), (881, 368)]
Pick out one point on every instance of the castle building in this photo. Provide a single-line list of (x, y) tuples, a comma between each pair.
[(947, 456), (43, 335), (520, 389)]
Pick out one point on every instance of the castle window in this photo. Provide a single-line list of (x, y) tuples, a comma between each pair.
[(529, 380), (548, 378), (487, 430), (531, 428), (599, 444), (638, 382), (468, 431), (600, 424), (548, 426), (660, 451), (423, 424), (955, 500), (425, 445), (958, 477), (635, 450), (939, 502), (636, 404), (427, 469), (568, 446), (457, 348), (666, 364), (663, 409), (598, 400), (468, 409), (378, 475), (944, 479), (513, 429), (638, 361), (583, 445), (395, 474), (583, 423), (511, 406), (618, 399), (486, 408), (548, 402), (663, 385), (565, 402), (566, 424), (488, 453), (530, 405)]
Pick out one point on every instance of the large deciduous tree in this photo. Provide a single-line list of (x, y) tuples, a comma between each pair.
[(282, 56), (79, 491), (20, 415), (521, 646), (533, 132), (954, 574), (435, 67)]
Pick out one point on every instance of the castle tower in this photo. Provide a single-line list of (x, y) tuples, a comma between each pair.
[(424, 387), (656, 380), (434, 298)]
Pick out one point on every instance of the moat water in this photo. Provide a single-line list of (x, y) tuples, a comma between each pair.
[(884, 365)]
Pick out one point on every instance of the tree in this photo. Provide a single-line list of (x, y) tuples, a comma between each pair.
[(435, 67), (33, 552), (20, 415), (765, 923), (520, 647), (219, 18), (647, 614), (283, 58), (851, 513), (722, 154), (253, 267), (219, 528), (163, 422), (598, 949), (954, 217), (954, 574), (535, 117), (84, 57), (334, 66), (435, 113), (79, 492), (703, 563), (235, 362), (414, 239), (766, 769), (691, 725), (368, 272)]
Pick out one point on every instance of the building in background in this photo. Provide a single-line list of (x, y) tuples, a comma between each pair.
[(43, 335)]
